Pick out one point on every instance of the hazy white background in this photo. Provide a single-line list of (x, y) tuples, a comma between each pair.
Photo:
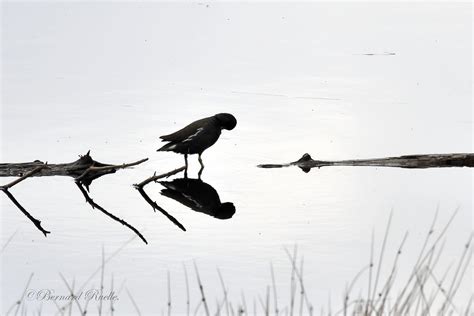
[(112, 77)]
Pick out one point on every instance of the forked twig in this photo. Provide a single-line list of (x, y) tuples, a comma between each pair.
[(161, 176), (140, 188)]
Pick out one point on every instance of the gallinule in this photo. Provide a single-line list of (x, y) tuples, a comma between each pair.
[(198, 136)]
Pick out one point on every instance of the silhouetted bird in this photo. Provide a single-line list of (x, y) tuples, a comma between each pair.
[(198, 196), (198, 136)]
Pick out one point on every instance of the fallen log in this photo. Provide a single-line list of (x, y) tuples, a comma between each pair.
[(84, 169), (306, 163)]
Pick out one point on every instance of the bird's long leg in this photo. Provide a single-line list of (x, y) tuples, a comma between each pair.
[(186, 165), (202, 166)]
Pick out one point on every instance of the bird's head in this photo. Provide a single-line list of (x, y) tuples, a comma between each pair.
[(226, 120), (225, 211)]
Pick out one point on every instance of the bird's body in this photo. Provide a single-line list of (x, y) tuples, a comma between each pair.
[(194, 138), (198, 136)]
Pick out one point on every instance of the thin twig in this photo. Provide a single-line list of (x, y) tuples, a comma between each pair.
[(109, 168), (161, 176), (140, 187)]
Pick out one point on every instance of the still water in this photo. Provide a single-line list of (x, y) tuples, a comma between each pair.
[(339, 81)]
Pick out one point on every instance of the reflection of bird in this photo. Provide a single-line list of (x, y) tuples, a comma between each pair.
[(198, 196), (198, 136)]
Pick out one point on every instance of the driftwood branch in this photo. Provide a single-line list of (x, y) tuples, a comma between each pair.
[(115, 218), (140, 187), (84, 171), (409, 161)]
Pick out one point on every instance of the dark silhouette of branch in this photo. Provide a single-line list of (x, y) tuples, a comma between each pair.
[(408, 161), (84, 171), (35, 221), (161, 176), (140, 187), (115, 218), (5, 188), (157, 207)]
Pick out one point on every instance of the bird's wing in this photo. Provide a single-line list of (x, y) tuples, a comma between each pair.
[(187, 132)]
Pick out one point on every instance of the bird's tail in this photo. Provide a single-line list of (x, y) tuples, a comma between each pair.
[(167, 147)]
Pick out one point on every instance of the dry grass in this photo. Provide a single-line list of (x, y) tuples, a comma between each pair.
[(427, 291)]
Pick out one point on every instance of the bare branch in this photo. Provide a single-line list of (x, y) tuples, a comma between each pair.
[(115, 218)]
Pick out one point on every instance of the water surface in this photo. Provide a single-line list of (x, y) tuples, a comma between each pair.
[(112, 78)]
